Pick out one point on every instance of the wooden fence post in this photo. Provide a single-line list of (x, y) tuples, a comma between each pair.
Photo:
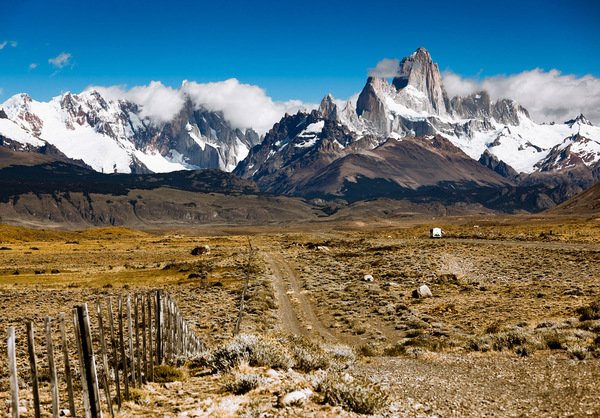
[(113, 343), (158, 314), (35, 386), (130, 335), (122, 346), (144, 352), (68, 374), (150, 345), (89, 377), (138, 365), (12, 370), (105, 368), (167, 329), (52, 367)]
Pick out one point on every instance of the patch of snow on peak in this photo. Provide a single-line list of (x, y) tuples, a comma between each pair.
[(11, 130), (161, 164), (310, 134), (195, 134)]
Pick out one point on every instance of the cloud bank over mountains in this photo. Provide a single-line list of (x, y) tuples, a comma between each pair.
[(243, 105), (547, 95)]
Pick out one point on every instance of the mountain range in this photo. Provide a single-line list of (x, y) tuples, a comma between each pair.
[(402, 138)]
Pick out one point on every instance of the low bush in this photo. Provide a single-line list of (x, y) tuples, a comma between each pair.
[(516, 340), (243, 383), (307, 355), (254, 350), (356, 395), (164, 373), (135, 396), (590, 312), (577, 350)]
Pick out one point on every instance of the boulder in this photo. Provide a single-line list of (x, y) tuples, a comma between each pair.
[(297, 397), (368, 278), (422, 292), (202, 249)]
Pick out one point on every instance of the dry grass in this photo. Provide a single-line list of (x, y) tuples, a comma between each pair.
[(510, 287)]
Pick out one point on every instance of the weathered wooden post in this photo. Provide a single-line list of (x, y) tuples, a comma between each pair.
[(158, 314), (150, 345), (68, 374), (144, 352), (52, 367), (138, 365), (35, 386), (12, 371), (113, 343), (89, 376), (122, 346), (130, 335), (105, 368)]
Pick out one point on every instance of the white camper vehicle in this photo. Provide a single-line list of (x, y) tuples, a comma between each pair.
[(435, 233)]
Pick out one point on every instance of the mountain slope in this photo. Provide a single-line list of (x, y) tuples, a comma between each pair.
[(308, 155), (60, 177), (585, 203)]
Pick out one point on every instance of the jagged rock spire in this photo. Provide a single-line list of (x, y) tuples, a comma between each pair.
[(328, 108), (419, 71)]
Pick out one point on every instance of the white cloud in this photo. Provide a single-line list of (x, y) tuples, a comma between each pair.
[(3, 44), (157, 101), (61, 60), (456, 85), (243, 105), (1, 91), (548, 95), (386, 68), (32, 66)]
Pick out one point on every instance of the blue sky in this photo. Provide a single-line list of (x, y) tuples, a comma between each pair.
[(293, 49)]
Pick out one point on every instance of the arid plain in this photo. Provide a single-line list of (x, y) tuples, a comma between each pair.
[(512, 327)]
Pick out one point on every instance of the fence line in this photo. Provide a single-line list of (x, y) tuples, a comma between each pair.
[(154, 333)]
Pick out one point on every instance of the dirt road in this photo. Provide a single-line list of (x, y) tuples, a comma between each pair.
[(296, 314)]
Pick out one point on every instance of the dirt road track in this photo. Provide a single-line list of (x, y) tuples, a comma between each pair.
[(296, 314)]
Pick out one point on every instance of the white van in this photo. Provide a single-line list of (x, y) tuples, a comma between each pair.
[(435, 233)]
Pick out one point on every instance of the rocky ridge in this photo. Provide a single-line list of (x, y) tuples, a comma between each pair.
[(114, 136)]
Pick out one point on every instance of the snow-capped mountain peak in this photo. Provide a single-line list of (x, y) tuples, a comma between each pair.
[(112, 134), (419, 74), (415, 104), (579, 120)]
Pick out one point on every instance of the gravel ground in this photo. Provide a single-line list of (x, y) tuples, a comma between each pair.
[(493, 385)]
